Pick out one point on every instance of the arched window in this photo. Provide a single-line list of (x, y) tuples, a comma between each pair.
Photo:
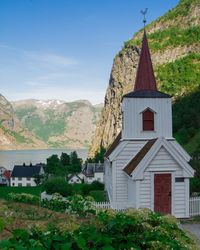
[(148, 120)]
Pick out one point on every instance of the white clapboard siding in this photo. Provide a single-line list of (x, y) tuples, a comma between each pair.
[(132, 108), (163, 162), (145, 191), (108, 179), (121, 180)]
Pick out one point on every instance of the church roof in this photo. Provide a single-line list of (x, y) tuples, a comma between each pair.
[(146, 94), (139, 156), (113, 145), (145, 78), (145, 83)]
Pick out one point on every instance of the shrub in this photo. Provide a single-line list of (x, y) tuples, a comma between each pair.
[(96, 185), (23, 197), (57, 203), (134, 229), (79, 205), (57, 185), (195, 185)]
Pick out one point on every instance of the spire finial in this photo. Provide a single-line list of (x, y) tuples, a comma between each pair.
[(144, 12)]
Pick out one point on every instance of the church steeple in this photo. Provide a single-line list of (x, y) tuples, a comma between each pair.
[(145, 78)]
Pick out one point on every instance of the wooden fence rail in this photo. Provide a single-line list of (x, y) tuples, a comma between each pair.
[(194, 206)]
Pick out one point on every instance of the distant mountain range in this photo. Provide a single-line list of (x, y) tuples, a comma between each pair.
[(31, 124)]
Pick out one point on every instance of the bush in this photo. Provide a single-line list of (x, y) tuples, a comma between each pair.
[(195, 185), (96, 185), (134, 229), (98, 195), (57, 185), (25, 198), (57, 203), (77, 204)]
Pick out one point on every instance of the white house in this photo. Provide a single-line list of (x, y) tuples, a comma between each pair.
[(93, 172), (76, 178), (145, 166), (24, 176)]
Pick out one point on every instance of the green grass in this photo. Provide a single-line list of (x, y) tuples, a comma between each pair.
[(181, 76), (4, 191), (98, 195), (172, 37)]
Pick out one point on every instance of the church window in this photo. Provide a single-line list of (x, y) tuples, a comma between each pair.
[(148, 120)]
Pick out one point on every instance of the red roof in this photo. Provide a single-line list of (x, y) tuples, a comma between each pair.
[(114, 144), (145, 78), (7, 174)]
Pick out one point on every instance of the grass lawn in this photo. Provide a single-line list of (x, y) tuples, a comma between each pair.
[(29, 190)]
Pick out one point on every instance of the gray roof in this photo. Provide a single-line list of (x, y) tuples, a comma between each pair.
[(92, 168), (26, 171), (146, 94)]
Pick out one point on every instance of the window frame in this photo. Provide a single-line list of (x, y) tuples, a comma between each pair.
[(153, 113)]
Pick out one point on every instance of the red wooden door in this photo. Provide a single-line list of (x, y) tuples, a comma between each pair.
[(162, 193)]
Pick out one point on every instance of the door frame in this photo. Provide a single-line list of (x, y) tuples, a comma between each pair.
[(172, 187)]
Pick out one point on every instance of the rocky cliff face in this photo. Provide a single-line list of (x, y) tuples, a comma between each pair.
[(12, 134), (58, 123), (173, 36)]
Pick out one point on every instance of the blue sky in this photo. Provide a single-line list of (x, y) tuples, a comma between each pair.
[(64, 49)]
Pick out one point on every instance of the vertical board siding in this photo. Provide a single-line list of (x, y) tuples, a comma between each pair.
[(132, 109)]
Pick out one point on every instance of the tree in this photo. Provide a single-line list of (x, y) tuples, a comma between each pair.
[(38, 179), (54, 166), (76, 163), (65, 159), (99, 156)]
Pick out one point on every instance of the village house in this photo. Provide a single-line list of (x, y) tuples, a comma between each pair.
[(145, 166), (93, 172), (76, 178), (4, 176), (24, 175)]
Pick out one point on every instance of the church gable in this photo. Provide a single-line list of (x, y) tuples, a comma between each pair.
[(161, 156), (163, 161)]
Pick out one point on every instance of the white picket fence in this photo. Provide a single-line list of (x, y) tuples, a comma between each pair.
[(121, 206), (194, 206), (118, 206)]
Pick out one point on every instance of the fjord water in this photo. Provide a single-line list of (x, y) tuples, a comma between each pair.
[(9, 158)]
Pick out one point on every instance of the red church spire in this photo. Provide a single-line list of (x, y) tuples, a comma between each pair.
[(145, 79)]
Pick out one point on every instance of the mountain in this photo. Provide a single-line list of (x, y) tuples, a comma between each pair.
[(174, 41), (59, 123), (12, 134)]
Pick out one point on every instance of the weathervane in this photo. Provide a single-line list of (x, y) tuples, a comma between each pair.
[(144, 12)]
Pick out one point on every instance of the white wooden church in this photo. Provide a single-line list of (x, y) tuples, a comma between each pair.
[(145, 166)]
